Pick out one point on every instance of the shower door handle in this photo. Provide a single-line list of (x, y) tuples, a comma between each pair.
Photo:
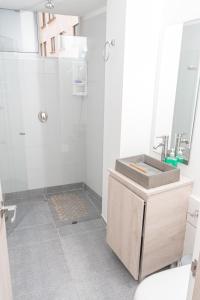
[(13, 208)]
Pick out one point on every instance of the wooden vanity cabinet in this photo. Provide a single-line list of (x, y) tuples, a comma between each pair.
[(146, 228)]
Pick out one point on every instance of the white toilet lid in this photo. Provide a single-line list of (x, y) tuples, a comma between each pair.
[(167, 285)]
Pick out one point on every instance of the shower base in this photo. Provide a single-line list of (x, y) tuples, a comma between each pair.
[(69, 204)]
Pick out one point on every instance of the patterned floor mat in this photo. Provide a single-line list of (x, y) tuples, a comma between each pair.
[(75, 206)]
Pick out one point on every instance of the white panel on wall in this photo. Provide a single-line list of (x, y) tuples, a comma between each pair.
[(130, 80), (141, 44), (115, 29), (94, 28)]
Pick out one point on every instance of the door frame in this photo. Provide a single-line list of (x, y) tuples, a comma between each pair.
[(5, 279)]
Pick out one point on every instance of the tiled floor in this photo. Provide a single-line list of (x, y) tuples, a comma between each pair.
[(70, 262)]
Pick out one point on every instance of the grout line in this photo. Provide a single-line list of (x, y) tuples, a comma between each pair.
[(82, 232), (63, 250), (59, 238), (67, 270)]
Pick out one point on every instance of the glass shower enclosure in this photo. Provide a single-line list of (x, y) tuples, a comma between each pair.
[(36, 154), (43, 112)]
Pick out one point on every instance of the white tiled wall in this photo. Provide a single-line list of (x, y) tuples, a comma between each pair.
[(49, 154)]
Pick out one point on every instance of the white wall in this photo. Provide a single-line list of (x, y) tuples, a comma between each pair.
[(130, 79), (178, 12), (116, 11), (141, 44), (94, 28)]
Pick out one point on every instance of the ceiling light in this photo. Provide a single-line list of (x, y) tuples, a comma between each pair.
[(49, 4)]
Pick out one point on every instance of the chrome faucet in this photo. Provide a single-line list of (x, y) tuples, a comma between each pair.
[(164, 145), (179, 141)]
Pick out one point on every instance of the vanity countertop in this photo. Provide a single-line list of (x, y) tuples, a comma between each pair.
[(146, 193)]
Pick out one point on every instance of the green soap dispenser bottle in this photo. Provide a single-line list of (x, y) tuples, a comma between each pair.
[(180, 156), (172, 159)]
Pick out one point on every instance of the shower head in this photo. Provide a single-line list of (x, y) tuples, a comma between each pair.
[(49, 4)]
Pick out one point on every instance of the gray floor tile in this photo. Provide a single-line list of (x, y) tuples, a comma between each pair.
[(70, 262), (17, 201), (109, 286), (82, 227), (87, 267), (67, 292), (32, 235), (30, 214), (84, 242), (25, 195), (88, 254), (38, 267)]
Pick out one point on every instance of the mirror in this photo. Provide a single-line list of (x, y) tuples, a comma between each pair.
[(178, 87)]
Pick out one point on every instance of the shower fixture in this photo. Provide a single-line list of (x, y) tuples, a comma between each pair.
[(43, 116), (49, 4)]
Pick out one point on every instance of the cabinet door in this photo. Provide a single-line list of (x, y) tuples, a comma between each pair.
[(124, 225), (164, 230)]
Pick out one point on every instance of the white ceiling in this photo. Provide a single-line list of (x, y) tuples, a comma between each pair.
[(70, 7)]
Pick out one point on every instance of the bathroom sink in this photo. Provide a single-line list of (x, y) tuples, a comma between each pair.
[(147, 171)]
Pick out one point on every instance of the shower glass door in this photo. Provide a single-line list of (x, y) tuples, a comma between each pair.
[(13, 171), (37, 154)]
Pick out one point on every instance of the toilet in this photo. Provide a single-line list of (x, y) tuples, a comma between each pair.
[(171, 284)]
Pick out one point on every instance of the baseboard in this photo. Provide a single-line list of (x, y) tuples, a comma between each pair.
[(52, 190)]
